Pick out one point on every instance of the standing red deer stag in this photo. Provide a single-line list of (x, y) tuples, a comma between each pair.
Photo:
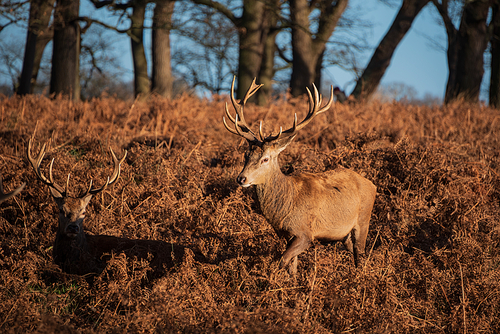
[(333, 205)]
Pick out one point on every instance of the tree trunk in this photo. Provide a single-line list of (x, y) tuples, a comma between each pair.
[(381, 59), (266, 72), (495, 58), (472, 41), (317, 71), (465, 53), (141, 79), (252, 38), (65, 77), (253, 29), (162, 78), (39, 34), (307, 50)]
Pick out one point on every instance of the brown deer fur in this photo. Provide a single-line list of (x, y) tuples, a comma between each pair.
[(334, 205)]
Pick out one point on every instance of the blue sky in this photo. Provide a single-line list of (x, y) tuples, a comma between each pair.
[(419, 60), (416, 62)]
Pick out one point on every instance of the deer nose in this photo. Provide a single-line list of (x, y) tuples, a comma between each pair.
[(72, 229), (241, 180)]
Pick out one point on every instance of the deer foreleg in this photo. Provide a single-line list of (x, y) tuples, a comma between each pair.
[(296, 246)]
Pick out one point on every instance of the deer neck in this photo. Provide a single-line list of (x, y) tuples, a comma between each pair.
[(276, 196), (70, 249)]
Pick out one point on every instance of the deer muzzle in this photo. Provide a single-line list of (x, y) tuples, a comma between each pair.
[(243, 181), (72, 230)]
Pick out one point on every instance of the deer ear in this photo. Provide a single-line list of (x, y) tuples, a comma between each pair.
[(283, 143), (86, 199), (55, 193), (57, 196)]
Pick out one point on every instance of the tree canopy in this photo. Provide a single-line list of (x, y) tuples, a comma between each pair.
[(199, 45)]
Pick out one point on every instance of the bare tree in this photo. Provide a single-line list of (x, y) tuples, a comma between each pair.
[(100, 67), (494, 93), (206, 49), (12, 13), (162, 78), (141, 79), (381, 59), (38, 36), (10, 56), (308, 46), (142, 84), (267, 66), (253, 27), (466, 47), (66, 50)]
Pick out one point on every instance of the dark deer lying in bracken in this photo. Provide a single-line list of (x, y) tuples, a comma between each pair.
[(6, 196), (334, 205), (75, 251)]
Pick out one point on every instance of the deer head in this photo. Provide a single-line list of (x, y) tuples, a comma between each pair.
[(261, 158), (71, 209)]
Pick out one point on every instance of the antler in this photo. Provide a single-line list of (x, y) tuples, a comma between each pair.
[(241, 127), (35, 163), (6, 196), (244, 131), (314, 110), (110, 180)]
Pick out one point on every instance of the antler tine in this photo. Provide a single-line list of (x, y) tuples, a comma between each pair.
[(35, 163), (241, 127), (6, 196), (110, 180), (238, 106), (261, 133), (251, 91), (245, 133), (227, 126), (314, 110), (269, 138), (117, 163), (96, 190)]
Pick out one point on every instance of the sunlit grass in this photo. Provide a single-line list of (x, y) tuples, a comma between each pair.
[(433, 250)]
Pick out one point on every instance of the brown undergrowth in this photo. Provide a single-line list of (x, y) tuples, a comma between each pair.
[(432, 264)]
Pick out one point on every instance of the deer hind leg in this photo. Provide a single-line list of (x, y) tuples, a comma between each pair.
[(292, 270), (351, 242), (296, 246), (361, 232), (348, 242), (358, 241)]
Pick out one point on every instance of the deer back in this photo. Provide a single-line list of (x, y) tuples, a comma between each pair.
[(329, 202)]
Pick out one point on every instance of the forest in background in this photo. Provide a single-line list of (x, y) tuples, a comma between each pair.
[(433, 249), (286, 45)]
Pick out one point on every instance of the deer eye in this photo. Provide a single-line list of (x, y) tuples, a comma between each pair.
[(263, 161)]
